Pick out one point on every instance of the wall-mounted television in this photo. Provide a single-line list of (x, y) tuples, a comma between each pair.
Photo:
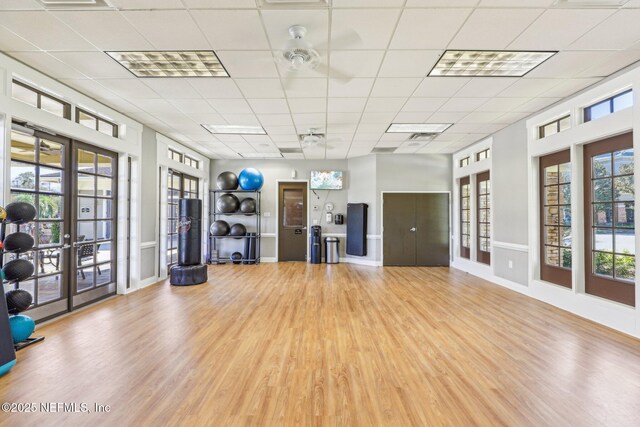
[(326, 180)]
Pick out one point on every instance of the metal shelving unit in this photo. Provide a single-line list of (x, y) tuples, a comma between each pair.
[(213, 256)]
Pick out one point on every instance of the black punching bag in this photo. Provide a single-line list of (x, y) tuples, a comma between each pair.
[(189, 231)]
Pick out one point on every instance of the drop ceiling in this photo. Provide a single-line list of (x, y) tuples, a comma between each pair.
[(386, 48)]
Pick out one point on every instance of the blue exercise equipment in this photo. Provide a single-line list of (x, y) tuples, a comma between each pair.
[(250, 179)]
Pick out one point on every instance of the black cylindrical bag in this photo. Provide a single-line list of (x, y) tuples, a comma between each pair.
[(189, 231)]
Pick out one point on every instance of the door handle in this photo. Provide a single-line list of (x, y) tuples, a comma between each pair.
[(66, 247), (412, 229)]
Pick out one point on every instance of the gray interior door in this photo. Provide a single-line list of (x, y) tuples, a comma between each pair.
[(292, 221), (399, 213), (416, 229), (432, 229)]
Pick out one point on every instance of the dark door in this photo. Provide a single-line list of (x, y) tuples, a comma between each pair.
[(416, 229), (292, 221), (399, 229), (432, 229)]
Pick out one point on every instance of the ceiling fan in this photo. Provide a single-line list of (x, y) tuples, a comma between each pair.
[(314, 138)]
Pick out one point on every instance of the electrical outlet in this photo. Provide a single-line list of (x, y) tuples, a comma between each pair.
[(510, 264)]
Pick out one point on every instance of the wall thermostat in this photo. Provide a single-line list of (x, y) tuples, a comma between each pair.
[(328, 207)]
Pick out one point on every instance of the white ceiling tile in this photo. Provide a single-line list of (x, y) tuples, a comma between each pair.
[(231, 4), (47, 64), (346, 105), (241, 64), (209, 118), (408, 63), (342, 127), (153, 105), (275, 119), (277, 23), (440, 86), (382, 105), (242, 119), (236, 140), (519, 3), (96, 65), (280, 130), (393, 137), (355, 63), (509, 118), (154, 25), (551, 32), (147, 4), (353, 88), (441, 3), (260, 88), (230, 106), (480, 117), (412, 117), (367, 3), (305, 88), (123, 106), (366, 137), (188, 106), (309, 119), (232, 29), (128, 88), (98, 28), (373, 127), (293, 144), (612, 63), (308, 105), (12, 42), (390, 87), (569, 87), (278, 105), (535, 105), (424, 104), (293, 156), (257, 139), (463, 104), (91, 88), (172, 88), (502, 104), (485, 87), (617, 32), (427, 28), (215, 88), (373, 28), (493, 28), (529, 87), (342, 118), (20, 5), (377, 117), (445, 117), (39, 28), (284, 138), (569, 64)]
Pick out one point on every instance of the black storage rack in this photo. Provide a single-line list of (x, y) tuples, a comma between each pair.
[(213, 256)]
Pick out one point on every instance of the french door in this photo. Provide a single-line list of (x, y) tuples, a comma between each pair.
[(73, 187)]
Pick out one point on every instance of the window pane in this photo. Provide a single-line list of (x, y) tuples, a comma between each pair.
[(86, 208), (23, 94), (85, 231), (625, 267), (602, 214), (623, 101), (86, 120), (103, 276), (86, 161), (105, 127), (625, 241), (566, 257), (103, 208), (105, 165), (552, 235), (551, 195), (49, 288), (602, 190), (623, 162), (86, 184), (551, 175), (51, 153), (52, 105), (85, 279), (49, 233), (104, 230), (551, 217), (105, 186), (603, 263), (623, 188), (23, 147), (603, 239), (50, 261), (625, 214), (50, 207), (484, 217), (550, 129), (50, 180), (565, 123), (601, 165), (23, 176), (104, 252), (565, 237), (552, 255), (565, 173), (293, 202), (23, 197), (565, 194), (565, 215), (600, 110)]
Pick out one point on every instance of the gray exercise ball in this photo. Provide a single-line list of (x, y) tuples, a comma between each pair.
[(248, 205), (219, 228), (238, 230), (227, 203), (227, 181)]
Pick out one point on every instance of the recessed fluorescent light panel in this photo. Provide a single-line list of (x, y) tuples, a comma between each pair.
[(261, 155), (418, 127), (235, 130), (486, 63), (183, 63)]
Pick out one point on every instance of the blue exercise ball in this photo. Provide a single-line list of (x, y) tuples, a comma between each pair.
[(21, 327), (250, 179)]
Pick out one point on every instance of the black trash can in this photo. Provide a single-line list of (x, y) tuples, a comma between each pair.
[(316, 244)]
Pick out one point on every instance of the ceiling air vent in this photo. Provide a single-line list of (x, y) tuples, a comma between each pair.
[(283, 4), (423, 136), (76, 4), (383, 150), (290, 150)]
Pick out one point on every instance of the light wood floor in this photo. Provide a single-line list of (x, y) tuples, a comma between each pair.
[(297, 344)]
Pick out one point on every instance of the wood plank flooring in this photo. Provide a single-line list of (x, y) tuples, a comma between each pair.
[(299, 344)]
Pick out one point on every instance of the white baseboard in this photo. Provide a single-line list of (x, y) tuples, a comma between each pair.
[(148, 282), (369, 262), (268, 259)]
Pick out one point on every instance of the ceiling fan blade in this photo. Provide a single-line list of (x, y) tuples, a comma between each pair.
[(334, 73), (348, 39)]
